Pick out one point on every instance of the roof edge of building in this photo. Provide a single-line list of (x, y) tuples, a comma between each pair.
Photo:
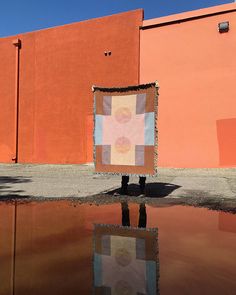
[(189, 15)]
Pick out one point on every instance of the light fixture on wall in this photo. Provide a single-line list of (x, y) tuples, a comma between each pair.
[(223, 27)]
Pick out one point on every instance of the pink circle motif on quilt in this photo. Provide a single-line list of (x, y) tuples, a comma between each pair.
[(123, 115), (122, 145)]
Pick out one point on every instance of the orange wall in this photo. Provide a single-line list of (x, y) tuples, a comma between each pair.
[(195, 66), (58, 66), (7, 100)]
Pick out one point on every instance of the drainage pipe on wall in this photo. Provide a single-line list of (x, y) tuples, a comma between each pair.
[(17, 44)]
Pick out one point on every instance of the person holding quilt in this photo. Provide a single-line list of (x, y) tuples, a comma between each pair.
[(125, 132)]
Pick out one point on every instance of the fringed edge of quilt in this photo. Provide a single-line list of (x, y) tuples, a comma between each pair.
[(153, 229), (156, 129), (124, 89), (125, 174)]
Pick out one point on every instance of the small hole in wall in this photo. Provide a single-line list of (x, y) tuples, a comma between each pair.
[(107, 53)]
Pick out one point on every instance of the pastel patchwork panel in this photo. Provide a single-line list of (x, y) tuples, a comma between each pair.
[(125, 260), (125, 130)]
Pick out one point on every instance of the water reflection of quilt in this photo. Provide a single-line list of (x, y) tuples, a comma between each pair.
[(125, 133), (125, 260)]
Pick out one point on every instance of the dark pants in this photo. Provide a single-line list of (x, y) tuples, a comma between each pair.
[(142, 222), (125, 181)]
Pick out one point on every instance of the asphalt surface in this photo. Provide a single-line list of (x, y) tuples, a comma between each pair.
[(78, 181)]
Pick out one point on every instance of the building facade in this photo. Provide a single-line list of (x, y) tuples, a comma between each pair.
[(46, 113)]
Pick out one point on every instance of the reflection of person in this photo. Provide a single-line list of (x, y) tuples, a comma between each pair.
[(125, 181), (142, 215), (125, 257)]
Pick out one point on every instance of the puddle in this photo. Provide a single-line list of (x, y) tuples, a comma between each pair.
[(60, 247)]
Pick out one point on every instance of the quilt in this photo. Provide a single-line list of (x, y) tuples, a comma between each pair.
[(125, 129)]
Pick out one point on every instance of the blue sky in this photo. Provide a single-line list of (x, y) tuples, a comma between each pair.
[(19, 16)]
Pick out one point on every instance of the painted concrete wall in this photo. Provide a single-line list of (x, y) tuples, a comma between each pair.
[(195, 66), (58, 66), (7, 100)]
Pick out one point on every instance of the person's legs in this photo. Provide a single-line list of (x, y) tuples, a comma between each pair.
[(142, 182), (125, 214), (142, 222), (124, 184)]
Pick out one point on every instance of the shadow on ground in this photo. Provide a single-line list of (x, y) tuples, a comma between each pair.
[(152, 190), (7, 186)]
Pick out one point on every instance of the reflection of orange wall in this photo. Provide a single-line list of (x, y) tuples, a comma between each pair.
[(227, 222), (194, 254), (6, 249), (53, 250), (54, 245), (58, 67), (195, 67)]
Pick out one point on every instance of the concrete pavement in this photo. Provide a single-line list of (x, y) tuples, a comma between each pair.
[(21, 180)]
